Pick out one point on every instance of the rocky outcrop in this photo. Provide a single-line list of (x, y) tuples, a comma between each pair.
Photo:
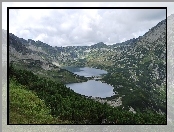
[(113, 102)]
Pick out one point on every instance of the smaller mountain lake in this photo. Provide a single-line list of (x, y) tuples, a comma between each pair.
[(86, 71), (91, 87)]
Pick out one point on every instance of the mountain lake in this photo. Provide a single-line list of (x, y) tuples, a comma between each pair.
[(91, 87)]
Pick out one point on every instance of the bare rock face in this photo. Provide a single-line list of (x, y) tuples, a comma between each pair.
[(27, 50)]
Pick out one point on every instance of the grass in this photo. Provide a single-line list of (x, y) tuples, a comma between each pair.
[(26, 108)]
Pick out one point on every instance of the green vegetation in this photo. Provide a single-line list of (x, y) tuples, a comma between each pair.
[(26, 108), (136, 69), (33, 99), (54, 73), (99, 59), (136, 94)]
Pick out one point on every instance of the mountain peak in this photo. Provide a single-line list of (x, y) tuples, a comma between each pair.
[(99, 45)]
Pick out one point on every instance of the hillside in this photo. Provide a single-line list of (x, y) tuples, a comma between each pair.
[(37, 100), (136, 69), (36, 57), (136, 66), (27, 108), (141, 71)]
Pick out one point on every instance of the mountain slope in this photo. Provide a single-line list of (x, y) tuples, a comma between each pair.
[(38, 58), (29, 94), (139, 74), (136, 68)]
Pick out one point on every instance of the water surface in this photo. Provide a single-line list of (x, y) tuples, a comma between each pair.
[(86, 71), (91, 87)]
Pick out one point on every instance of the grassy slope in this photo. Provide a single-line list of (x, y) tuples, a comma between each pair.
[(26, 108)]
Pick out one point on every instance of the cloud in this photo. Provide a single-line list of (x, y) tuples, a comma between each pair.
[(63, 27)]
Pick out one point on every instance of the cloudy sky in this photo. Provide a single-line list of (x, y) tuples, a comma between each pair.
[(65, 27)]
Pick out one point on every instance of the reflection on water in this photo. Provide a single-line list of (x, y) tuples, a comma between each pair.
[(92, 88), (86, 71)]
